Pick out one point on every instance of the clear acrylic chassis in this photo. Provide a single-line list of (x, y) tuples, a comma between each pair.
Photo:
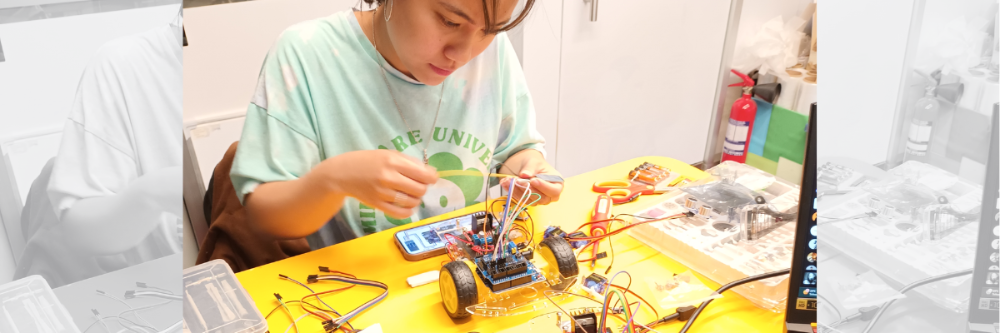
[(896, 247), (718, 253), (524, 299)]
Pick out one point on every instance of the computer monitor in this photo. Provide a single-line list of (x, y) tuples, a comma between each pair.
[(984, 301), (800, 315)]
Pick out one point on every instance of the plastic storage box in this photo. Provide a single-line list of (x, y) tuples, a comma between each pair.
[(891, 242), (215, 302), (714, 243), (30, 306)]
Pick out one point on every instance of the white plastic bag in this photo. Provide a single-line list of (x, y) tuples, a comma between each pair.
[(679, 290), (866, 290), (774, 47)]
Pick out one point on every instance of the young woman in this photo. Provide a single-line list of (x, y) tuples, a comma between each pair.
[(356, 113)]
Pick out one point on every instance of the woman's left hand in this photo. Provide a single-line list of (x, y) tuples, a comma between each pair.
[(532, 164)]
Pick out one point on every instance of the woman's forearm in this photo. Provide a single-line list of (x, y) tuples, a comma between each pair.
[(292, 209), (114, 223)]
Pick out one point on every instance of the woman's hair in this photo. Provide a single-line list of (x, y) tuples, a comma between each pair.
[(489, 6)]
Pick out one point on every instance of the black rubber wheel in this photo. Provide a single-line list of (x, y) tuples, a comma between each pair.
[(458, 289), (562, 252)]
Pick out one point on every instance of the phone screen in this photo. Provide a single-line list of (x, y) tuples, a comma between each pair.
[(429, 237)]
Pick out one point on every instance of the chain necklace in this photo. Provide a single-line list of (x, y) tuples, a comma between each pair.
[(387, 86)]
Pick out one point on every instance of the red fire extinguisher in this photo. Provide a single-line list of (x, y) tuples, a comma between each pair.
[(740, 123)]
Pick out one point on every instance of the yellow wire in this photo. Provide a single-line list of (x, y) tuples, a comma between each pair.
[(450, 173)]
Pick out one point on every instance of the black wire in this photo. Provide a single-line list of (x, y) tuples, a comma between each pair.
[(663, 320), (731, 285), (311, 291), (911, 286), (293, 301)]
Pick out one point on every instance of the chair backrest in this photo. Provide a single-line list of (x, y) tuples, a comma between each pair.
[(204, 146)]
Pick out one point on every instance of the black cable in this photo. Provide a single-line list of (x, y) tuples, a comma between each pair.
[(663, 320), (911, 287), (311, 291), (731, 285)]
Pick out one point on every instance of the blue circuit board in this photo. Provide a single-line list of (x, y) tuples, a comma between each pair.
[(487, 267)]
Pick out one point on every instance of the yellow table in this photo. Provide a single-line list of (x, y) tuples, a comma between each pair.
[(375, 257)]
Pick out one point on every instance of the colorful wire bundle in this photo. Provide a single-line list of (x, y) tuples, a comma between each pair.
[(355, 281), (621, 298), (302, 302)]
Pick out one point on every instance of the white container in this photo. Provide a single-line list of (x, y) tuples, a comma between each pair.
[(720, 255), (215, 302), (28, 305)]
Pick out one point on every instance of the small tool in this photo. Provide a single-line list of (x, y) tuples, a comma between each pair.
[(602, 212), (646, 179)]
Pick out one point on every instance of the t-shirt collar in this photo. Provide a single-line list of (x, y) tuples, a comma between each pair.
[(370, 50)]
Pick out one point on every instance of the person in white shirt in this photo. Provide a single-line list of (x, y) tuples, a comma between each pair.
[(114, 187)]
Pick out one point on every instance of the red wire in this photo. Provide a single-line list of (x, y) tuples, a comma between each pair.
[(619, 230), (316, 295), (473, 246)]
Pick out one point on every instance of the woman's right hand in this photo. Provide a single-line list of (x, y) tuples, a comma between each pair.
[(387, 180)]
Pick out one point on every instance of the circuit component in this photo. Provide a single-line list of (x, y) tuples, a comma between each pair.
[(585, 322), (649, 173), (553, 231), (880, 208), (585, 319), (756, 221), (595, 284), (580, 243), (940, 221), (504, 272), (833, 174)]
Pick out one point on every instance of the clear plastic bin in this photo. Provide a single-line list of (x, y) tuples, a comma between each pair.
[(713, 243), (30, 306), (215, 302), (898, 247)]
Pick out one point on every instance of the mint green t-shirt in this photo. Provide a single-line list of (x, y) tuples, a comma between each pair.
[(320, 94)]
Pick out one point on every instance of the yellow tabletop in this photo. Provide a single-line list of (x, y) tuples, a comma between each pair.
[(406, 309)]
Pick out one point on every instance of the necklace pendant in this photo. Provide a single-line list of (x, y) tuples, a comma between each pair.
[(426, 160)]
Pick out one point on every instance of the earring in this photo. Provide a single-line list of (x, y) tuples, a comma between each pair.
[(387, 13)]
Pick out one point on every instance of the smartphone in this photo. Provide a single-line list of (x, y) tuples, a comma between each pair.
[(425, 241)]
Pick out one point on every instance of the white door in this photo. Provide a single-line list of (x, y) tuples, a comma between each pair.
[(639, 81)]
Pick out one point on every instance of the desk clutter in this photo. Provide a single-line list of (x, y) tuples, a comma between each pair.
[(499, 263)]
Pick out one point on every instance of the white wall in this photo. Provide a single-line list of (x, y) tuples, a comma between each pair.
[(857, 108), (540, 58), (227, 45)]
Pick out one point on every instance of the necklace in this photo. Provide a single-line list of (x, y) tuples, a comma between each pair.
[(387, 86)]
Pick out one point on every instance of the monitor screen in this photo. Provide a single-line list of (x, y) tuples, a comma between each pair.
[(801, 310), (984, 302)]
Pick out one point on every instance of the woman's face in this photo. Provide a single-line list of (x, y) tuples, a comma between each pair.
[(433, 38)]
